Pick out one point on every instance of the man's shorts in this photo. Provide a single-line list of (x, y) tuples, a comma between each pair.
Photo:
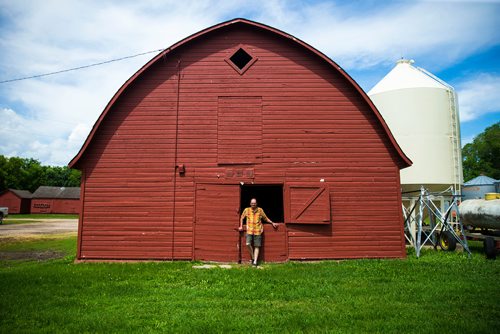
[(257, 240)]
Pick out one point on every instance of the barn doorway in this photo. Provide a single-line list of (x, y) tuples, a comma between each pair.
[(269, 198), (216, 238)]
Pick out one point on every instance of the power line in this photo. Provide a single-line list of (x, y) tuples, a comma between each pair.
[(80, 67)]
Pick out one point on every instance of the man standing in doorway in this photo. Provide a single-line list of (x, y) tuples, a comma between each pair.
[(254, 216)]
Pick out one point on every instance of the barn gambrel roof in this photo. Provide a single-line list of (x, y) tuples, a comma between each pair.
[(403, 161)]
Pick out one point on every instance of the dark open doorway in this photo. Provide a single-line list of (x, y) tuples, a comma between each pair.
[(269, 198)]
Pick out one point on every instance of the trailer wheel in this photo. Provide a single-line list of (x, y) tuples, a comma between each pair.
[(490, 248), (447, 242)]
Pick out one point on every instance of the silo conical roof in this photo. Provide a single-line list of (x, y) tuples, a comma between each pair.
[(404, 75), (480, 181)]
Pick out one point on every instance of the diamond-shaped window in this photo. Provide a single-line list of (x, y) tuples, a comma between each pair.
[(241, 60)]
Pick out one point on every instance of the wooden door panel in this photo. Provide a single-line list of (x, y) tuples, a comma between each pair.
[(274, 248), (307, 203), (217, 219), (239, 130)]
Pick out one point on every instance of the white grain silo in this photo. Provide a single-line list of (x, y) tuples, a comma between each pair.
[(421, 111)]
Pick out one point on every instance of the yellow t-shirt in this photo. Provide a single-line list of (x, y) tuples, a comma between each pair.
[(254, 220)]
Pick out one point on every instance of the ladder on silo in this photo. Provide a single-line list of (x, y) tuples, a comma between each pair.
[(455, 131), (455, 139)]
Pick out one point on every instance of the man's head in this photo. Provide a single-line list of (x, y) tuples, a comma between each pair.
[(253, 203)]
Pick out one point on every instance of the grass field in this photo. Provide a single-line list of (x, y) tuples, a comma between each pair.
[(42, 216), (437, 293), (56, 242), (19, 221), (34, 218)]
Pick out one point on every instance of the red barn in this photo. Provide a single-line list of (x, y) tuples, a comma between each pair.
[(18, 201), (56, 200), (240, 110)]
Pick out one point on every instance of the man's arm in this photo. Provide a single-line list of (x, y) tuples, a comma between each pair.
[(240, 228)]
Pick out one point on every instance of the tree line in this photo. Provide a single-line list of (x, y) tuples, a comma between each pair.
[(29, 174), (482, 156)]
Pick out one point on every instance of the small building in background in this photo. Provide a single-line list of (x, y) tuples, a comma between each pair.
[(478, 187), (56, 200), (18, 201)]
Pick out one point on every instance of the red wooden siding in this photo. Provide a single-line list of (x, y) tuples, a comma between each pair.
[(183, 109), (239, 130), (128, 208), (70, 206), (50, 205), (14, 203)]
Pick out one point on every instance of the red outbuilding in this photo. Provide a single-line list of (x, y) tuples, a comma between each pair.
[(236, 111), (56, 200), (18, 201)]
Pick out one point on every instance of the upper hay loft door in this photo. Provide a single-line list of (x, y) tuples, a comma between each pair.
[(239, 130)]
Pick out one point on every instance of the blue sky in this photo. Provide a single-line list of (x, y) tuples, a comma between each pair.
[(49, 118)]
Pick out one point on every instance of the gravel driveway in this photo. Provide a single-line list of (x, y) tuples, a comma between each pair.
[(42, 226)]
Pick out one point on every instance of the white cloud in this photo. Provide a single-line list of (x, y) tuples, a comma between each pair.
[(443, 32), (78, 134), (55, 35), (26, 137), (478, 96), (52, 113)]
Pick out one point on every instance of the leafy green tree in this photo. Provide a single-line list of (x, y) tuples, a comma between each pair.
[(62, 176), (29, 174), (3, 172), (22, 173), (74, 178), (482, 156)]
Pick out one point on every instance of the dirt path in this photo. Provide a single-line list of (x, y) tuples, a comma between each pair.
[(42, 226)]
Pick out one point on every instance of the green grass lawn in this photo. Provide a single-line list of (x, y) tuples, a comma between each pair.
[(42, 216), (437, 293), (34, 218), (57, 242), (8, 221)]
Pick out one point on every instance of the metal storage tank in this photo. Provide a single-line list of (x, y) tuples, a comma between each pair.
[(478, 187), (421, 111)]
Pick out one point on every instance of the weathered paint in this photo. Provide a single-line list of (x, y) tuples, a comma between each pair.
[(291, 117)]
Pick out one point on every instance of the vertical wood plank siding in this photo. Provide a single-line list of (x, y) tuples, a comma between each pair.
[(315, 125)]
